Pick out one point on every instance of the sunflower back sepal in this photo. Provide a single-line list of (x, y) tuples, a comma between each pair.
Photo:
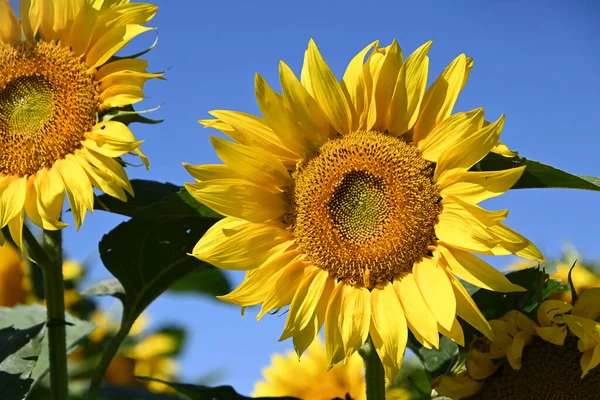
[(127, 115)]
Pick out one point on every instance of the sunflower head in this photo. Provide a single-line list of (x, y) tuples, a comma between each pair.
[(355, 203), (58, 82), (556, 355)]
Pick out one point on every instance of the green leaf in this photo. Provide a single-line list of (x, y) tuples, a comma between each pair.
[(439, 361), (538, 175), (413, 377), (156, 201), (19, 351), (210, 281), (196, 392), (36, 352), (127, 115)]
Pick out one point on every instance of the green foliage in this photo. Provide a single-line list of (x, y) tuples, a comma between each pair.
[(196, 392), (24, 347), (414, 377), (538, 175), (439, 361)]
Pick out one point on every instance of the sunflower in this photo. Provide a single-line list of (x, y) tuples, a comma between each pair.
[(58, 77), (353, 203), (17, 278), (14, 282), (309, 378), (557, 357)]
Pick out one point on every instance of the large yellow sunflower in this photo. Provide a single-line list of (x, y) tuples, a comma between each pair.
[(557, 357), (352, 202), (57, 75)]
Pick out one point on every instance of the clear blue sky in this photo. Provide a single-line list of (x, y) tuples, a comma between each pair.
[(536, 61)]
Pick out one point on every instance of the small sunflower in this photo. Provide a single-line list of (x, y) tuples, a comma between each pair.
[(353, 203), (57, 76), (309, 377), (557, 357), (14, 283)]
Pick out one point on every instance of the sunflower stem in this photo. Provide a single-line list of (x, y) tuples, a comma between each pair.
[(374, 373), (55, 306)]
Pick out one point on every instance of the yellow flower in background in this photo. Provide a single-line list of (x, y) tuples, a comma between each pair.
[(309, 377), (148, 358), (56, 77), (584, 276), (353, 203), (557, 357), (14, 286)]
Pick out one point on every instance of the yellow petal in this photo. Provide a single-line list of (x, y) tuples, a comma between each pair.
[(82, 30), (449, 132), (415, 308), (515, 351), (553, 334), (111, 138), (354, 318), (242, 250), (110, 167), (278, 117), (519, 322), (478, 186), (122, 95), (305, 110), (440, 98), (253, 164), (469, 150), (476, 271), (209, 172), (436, 290), (468, 310), (255, 132), (240, 199), (78, 187), (10, 28), (408, 91), (503, 150), (12, 198), (515, 243), (304, 302), (101, 179), (589, 360), (334, 347), (463, 231), (254, 288), (65, 13), (384, 79), (322, 84), (31, 207), (549, 309), (354, 84), (588, 304), (455, 333), (282, 291), (480, 365), (15, 227), (47, 8), (104, 48), (587, 330), (390, 325), (51, 195), (468, 210), (31, 17), (457, 387)]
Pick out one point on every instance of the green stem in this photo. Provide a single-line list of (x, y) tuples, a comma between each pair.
[(55, 306), (107, 357), (374, 373)]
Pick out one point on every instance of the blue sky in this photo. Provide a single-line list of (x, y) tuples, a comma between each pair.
[(535, 61)]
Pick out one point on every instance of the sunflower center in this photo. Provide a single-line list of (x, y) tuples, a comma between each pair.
[(48, 102), (548, 371), (364, 208), (358, 207)]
